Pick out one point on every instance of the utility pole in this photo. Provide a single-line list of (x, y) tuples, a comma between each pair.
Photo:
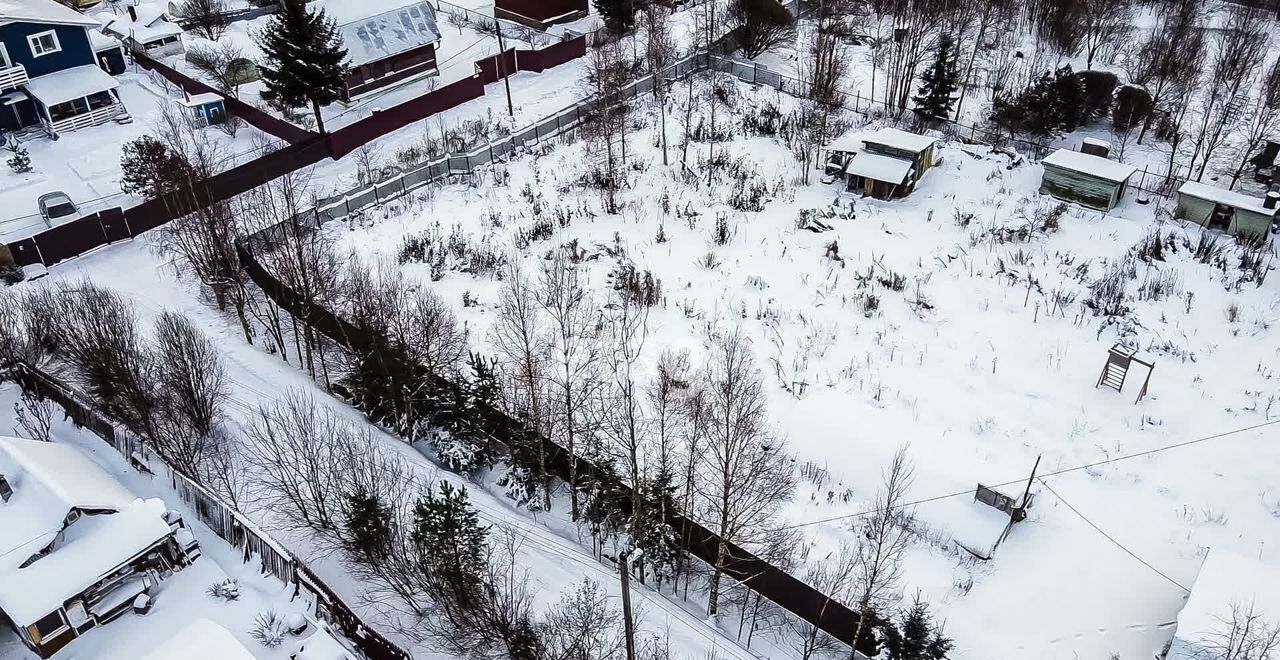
[(502, 52), (1020, 513), (624, 566)]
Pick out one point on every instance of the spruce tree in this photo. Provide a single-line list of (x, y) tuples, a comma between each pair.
[(450, 543), (916, 637), (368, 523), (656, 537), (619, 15), (305, 59), (467, 409), (940, 82)]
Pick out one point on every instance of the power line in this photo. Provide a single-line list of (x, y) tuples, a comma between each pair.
[(1049, 474), (1112, 539)]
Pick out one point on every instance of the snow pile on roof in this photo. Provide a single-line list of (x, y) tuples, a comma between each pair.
[(150, 26), (101, 42), (370, 37), (899, 139), (49, 480), (1097, 166), (1224, 196), (1225, 579), (70, 84), (880, 168), (202, 639), (41, 11)]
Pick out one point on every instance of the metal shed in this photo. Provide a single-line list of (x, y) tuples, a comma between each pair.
[(1085, 179), (1230, 211)]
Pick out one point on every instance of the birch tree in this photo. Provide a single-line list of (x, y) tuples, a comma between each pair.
[(885, 537)]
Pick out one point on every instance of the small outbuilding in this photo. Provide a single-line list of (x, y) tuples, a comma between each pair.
[(885, 164), (540, 14), (1085, 179), (145, 29), (1227, 210), (108, 51), (205, 109), (201, 639), (1226, 581)]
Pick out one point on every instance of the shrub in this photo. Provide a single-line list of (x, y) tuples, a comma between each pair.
[(639, 287), (20, 161), (1131, 107), (228, 589), (1054, 102), (269, 629), (149, 168), (1099, 88)]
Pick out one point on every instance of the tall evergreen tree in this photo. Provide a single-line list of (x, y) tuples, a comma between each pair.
[(450, 543), (463, 447), (619, 15), (304, 58), (368, 523), (941, 81), (656, 537)]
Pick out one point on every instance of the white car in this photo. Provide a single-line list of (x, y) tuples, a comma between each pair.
[(57, 206)]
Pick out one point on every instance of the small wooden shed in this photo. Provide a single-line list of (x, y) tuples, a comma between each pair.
[(888, 165), (1085, 179), (1227, 210)]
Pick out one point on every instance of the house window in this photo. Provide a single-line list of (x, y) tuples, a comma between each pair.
[(49, 626), (44, 43)]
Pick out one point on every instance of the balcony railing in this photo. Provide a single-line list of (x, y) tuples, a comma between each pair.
[(83, 120), (11, 77)]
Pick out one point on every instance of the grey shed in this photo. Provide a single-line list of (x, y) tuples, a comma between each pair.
[(1085, 179)]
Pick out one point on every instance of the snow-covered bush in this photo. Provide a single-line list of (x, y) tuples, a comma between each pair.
[(269, 629), (228, 589)]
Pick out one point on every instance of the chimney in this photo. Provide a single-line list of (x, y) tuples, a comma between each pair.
[(133, 13), (1271, 200)]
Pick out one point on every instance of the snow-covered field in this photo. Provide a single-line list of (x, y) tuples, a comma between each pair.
[(982, 357)]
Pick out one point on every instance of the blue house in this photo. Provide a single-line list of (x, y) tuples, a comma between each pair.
[(53, 72)]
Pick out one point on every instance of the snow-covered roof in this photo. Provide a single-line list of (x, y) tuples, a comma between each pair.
[(68, 84), (41, 11), (1225, 579), (48, 481), (1224, 196), (1103, 168), (148, 28), (202, 639), (198, 99), (899, 139), (101, 41), (880, 168), (370, 36)]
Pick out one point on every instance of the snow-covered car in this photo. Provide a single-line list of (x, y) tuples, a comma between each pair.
[(57, 206)]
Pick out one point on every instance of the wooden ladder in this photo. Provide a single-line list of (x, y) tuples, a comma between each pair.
[(1113, 373)]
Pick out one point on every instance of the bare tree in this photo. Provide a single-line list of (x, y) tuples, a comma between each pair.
[(222, 64), (293, 449), (1262, 123), (626, 421), (608, 72), (1234, 52), (1246, 634), (190, 392), (832, 576), (519, 338), (34, 416), (1168, 63), (746, 475), (583, 625), (886, 536), (574, 355), (208, 18), (659, 52), (917, 26), (988, 15), (1102, 25)]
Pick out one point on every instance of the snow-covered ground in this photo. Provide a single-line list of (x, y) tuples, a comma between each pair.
[(969, 360)]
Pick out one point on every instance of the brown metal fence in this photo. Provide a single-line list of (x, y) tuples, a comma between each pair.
[(221, 518)]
